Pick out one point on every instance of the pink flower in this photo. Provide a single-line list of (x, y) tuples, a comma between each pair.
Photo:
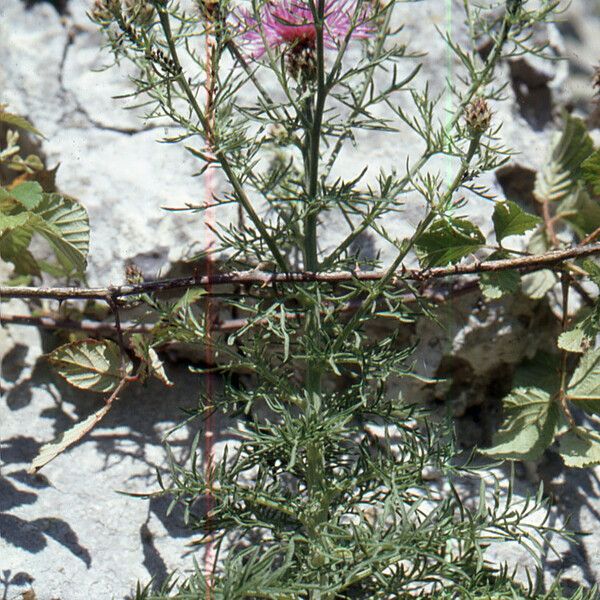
[(290, 23)]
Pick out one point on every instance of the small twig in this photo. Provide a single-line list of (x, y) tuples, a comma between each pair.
[(562, 393), (590, 238), (95, 328), (262, 278), (549, 223), (112, 302)]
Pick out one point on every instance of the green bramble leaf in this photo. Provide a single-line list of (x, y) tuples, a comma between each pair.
[(91, 364), (150, 358), (584, 386), (581, 211), (510, 219), (574, 340), (28, 194), (17, 121), (51, 450), (529, 427), (65, 224), (579, 450), (536, 285), (10, 222), (447, 241), (590, 172), (494, 284), (541, 371), (559, 176), (593, 270), (12, 250)]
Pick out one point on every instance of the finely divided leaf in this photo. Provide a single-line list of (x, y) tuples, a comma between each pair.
[(91, 364), (447, 241), (593, 270), (510, 219), (529, 427)]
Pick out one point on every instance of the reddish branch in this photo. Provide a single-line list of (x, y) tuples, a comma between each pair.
[(524, 263), (101, 329)]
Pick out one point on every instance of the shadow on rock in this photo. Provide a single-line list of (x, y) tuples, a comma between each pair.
[(32, 535), (8, 580)]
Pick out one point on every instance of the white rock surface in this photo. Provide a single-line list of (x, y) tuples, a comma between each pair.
[(67, 533)]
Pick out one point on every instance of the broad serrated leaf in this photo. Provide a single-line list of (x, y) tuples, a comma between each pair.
[(50, 451), (10, 222), (91, 364), (541, 371), (581, 211), (538, 242), (529, 426), (573, 340), (590, 172), (157, 367), (510, 219), (447, 241), (17, 121), (150, 358), (593, 270), (13, 249), (558, 177), (65, 224), (579, 451), (537, 285), (28, 194), (494, 284), (584, 386)]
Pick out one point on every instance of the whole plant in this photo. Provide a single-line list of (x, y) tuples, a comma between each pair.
[(324, 490)]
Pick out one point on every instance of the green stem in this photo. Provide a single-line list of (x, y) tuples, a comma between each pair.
[(314, 145), (390, 273), (481, 80), (318, 500), (219, 155)]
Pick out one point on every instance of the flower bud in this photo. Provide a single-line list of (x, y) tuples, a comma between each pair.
[(209, 9), (133, 274), (478, 116), (103, 11), (140, 11)]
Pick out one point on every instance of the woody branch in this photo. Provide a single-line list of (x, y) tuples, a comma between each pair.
[(547, 260)]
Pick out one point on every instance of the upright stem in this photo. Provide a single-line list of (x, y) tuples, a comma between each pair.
[(314, 141), (238, 189), (318, 503)]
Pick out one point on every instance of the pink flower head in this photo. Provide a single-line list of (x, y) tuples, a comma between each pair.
[(290, 23)]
